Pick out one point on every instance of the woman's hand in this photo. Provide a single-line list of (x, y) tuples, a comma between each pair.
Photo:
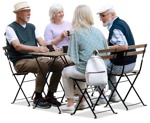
[(64, 34)]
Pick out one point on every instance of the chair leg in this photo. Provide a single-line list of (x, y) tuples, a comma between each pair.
[(83, 96), (32, 95), (101, 92), (63, 92), (20, 88), (115, 90), (132, 87)]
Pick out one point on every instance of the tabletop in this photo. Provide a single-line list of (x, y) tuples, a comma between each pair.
[(52, 53)]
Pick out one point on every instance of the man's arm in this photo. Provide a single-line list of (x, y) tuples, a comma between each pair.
[(26, 48), (119, 47), (118, 40), (14, 41)]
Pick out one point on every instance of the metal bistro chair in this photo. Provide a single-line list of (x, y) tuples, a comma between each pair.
[(20, 83), (86, 93), (140, 50)]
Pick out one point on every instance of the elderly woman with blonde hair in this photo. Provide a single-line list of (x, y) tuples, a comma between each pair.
[(85, 38)]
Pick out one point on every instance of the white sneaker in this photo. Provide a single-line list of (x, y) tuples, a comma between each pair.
[(76, 98), (82, 105), (68, 109), (115, 97), (102, 100)]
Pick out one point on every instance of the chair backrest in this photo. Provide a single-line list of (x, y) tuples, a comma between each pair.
[(10, 64), (140, 49), (106, 53)]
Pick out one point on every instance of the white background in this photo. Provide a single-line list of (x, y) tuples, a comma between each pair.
[(135, 13)]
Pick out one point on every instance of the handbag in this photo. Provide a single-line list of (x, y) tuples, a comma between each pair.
[(96, 71)]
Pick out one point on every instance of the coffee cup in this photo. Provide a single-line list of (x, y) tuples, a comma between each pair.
[(65, 49)]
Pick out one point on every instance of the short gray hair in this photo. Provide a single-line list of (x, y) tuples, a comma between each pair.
[(54, 9)]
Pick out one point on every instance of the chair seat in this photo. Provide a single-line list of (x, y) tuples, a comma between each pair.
[(24, 73)]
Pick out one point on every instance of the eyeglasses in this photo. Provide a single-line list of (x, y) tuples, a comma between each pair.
[(103, 15)]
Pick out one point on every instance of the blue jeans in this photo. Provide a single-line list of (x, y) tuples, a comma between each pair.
[(117, 70)]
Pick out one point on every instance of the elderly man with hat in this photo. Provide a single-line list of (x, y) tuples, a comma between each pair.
[(23, 38), (120, 37)]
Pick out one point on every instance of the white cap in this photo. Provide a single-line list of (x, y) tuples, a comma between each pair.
[(105, 8), (21, 6)]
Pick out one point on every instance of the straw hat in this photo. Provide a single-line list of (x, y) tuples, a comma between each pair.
[(21, 6)]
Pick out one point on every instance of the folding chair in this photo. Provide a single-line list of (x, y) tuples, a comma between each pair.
[(85, 93), (140, 52), (20, 83)]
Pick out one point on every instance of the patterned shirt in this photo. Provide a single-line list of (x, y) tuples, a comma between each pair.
[(82, 44)]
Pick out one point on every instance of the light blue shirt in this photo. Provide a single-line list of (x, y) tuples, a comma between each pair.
[(82, 44)]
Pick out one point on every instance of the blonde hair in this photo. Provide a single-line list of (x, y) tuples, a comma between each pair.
[(54, 9), (82, 17)]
